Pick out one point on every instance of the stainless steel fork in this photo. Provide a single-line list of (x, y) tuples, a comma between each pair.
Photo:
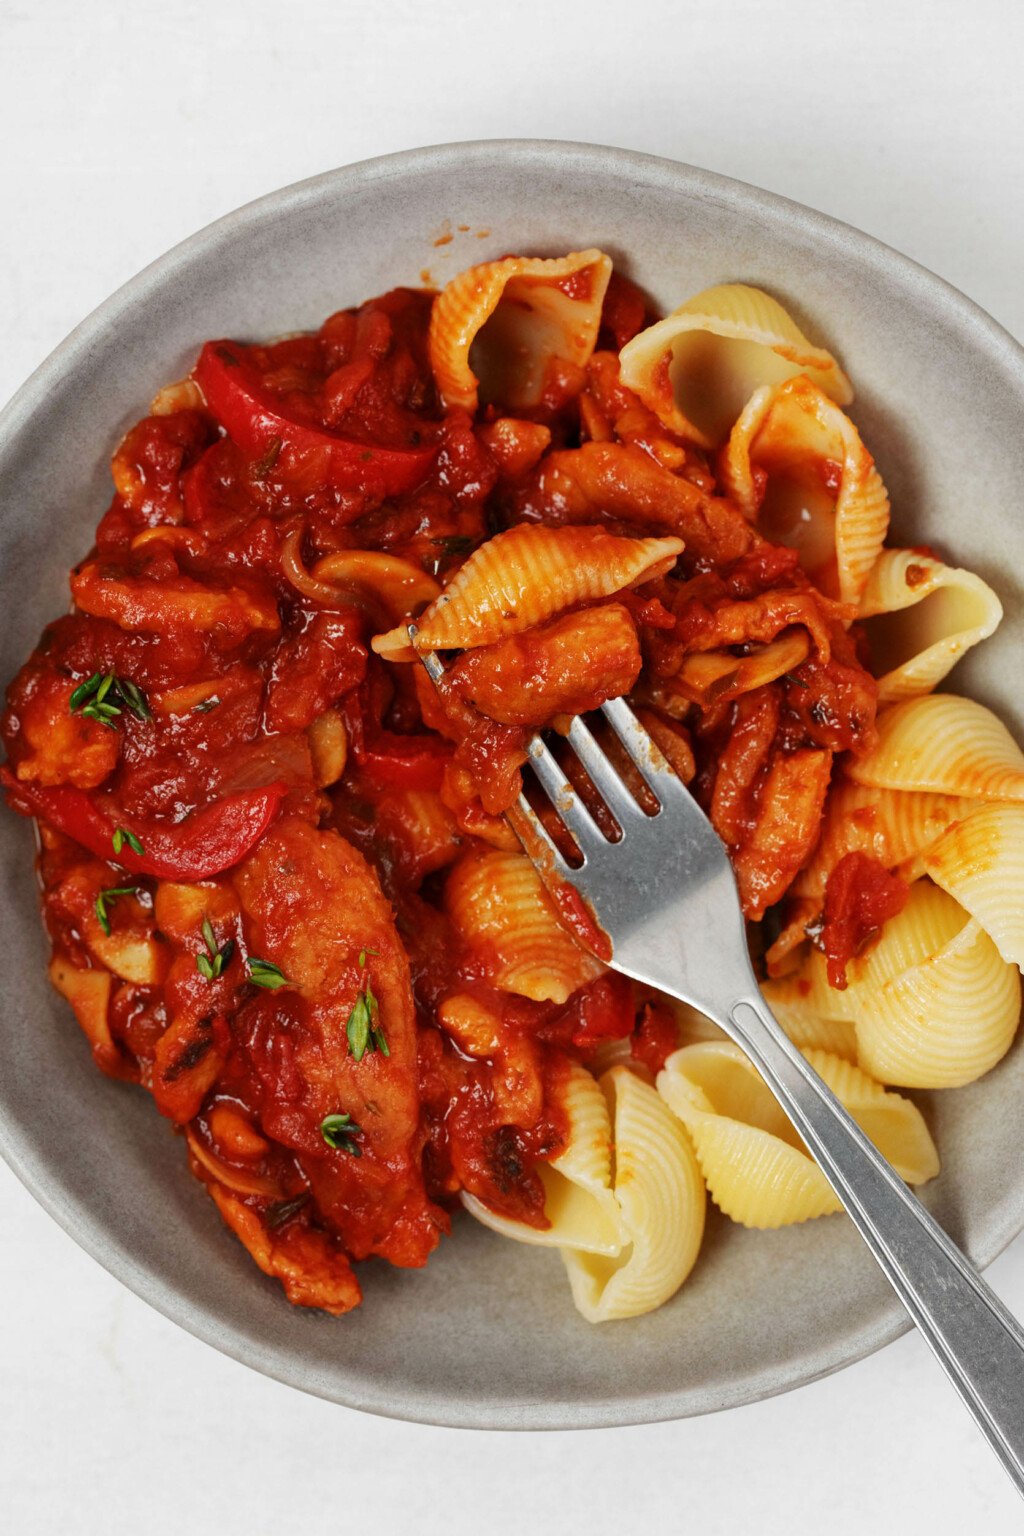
[(665, 895)]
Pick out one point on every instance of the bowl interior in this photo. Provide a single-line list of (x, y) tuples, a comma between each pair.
[(486, 1335)]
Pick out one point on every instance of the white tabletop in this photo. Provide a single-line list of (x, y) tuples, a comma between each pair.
[(124, 128)]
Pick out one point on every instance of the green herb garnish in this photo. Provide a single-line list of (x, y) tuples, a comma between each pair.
[(363, 1028), (106, 898), (212, 964), (282, 1211), (122, 836), (340, 1132), (104, 696), (206, 705), (265, 464), (264, 973)]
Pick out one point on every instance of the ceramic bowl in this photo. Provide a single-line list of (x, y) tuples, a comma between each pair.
[(486, 1335)]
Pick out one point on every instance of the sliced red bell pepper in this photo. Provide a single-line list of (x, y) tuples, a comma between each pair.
[(204, 844), (403, 762), (387, 758), (257, 422)]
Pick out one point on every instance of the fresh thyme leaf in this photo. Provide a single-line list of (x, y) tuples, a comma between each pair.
[(282, 1211), (264, 973), (104, 713), (218, 958), (797, 682), (122, 836), (363, 954), (265, 464), (206, 705), (102, 696), (134, 698), (339, 1131), (84, 691), (358, 1028), (456, 544), (107, 898), (362, 1030)]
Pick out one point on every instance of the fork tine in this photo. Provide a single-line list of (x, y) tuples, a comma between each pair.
[(537, 842), (648, 758), (567, 804), (603, 774)]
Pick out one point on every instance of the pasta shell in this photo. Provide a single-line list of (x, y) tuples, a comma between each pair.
[(895, 1125), (579, 1203), (980, 861), (495, 328), (891, 825), (923, 616), (945, 743), (780, 465), (793, 1004), (926, 924), (755, 1165), (934, 1003), (660, 1196), (498, 904), (697, 368), (524, 576), (736, 463)]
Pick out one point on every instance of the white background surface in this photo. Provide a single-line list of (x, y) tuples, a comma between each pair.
[(124, 127)]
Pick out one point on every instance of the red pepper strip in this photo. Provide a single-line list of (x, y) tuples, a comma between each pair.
[(254, 420), (403, 762), (204, 844)]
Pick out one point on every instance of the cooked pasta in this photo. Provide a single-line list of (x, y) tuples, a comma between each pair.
[(628, 1223), (279, 868), (944, 743), (756, 1168), (512, 321), (924, 615), (499, 906), (798, 464), (520, 578), (699, 367)]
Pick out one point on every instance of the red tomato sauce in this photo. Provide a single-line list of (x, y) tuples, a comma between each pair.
[(247, 817)]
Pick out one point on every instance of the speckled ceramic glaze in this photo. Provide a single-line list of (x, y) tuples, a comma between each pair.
[(486, 1335)]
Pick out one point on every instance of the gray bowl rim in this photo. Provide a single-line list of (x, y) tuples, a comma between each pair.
[(76, 1219)]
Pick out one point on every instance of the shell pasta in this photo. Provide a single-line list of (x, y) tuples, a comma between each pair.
[(280, 876)]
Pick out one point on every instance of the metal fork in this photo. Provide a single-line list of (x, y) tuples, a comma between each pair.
[(665, 895)]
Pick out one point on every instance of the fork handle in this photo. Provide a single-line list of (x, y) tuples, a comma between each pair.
[(978, 1343)]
